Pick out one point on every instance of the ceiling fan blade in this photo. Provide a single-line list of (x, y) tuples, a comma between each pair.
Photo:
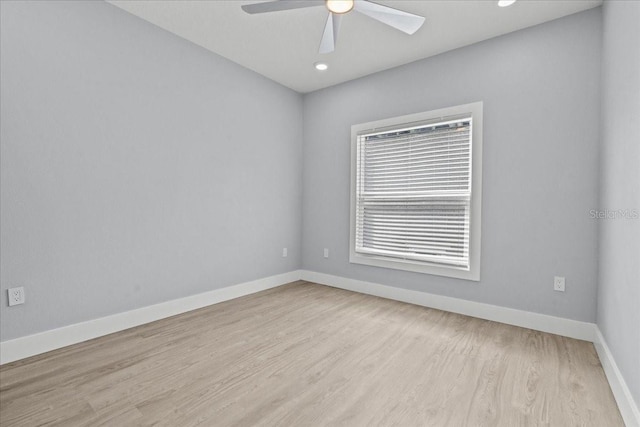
[(278, 5), (330, 34), (403, 21)]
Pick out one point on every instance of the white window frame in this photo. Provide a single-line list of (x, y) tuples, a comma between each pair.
[(474, 110)]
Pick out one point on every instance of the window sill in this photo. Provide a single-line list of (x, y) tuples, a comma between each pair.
[(472, 274)]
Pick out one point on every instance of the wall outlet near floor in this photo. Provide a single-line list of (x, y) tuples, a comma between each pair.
[(284, 252), (15, 295), (326, 253), (558, 284)]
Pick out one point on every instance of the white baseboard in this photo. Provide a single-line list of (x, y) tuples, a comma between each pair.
[(626, 404), (526, 319), (31, 345)]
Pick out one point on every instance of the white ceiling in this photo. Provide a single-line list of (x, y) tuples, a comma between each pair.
[(283, 46)]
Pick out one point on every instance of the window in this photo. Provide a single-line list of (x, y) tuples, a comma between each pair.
[(416, 192)]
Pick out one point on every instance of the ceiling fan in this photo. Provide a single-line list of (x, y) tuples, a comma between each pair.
[(403, 21)]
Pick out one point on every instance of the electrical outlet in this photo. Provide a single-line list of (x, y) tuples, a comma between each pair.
[(326, 253), (284, 252), (16, 296), (558, 284)]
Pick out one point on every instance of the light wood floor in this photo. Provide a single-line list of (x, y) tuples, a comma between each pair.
[(310, 355)]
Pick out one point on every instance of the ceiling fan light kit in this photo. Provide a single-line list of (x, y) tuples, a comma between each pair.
[(340, 6), (406, 22)]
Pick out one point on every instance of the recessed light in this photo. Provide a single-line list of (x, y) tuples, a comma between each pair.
[(321, 66), (505, 3)]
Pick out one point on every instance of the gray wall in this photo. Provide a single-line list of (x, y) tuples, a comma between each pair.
[(619, 273), (136, 166), (540, 88)]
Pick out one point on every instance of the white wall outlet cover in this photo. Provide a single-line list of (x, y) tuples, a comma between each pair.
[(558, 283), (15, 296), (284, 252), (326, 253)]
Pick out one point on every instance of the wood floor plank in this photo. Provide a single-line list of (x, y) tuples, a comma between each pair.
[(306, 354)]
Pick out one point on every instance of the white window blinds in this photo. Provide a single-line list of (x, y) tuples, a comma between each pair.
[(413, 192)]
